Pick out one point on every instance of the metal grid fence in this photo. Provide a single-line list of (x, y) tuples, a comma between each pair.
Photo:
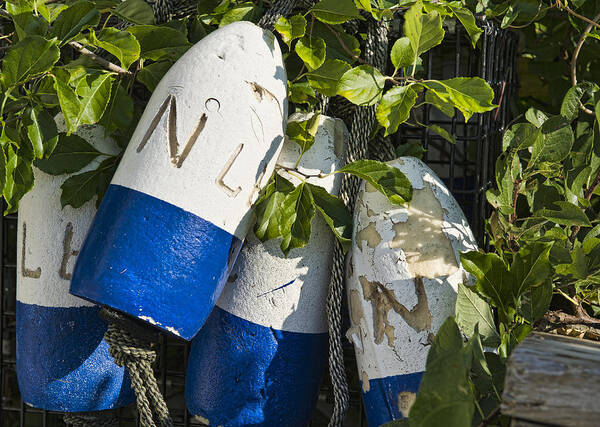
[(466, 167)]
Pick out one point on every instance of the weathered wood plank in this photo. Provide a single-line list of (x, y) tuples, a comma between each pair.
[(554, 379)]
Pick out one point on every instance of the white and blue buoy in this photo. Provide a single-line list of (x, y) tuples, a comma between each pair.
[(403, 273), (260, 357), (179, 206), (63, 363)]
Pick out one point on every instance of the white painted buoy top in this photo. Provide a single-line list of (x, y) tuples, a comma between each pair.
[(50, 236), (403, 274), (262, 267), (225, 130)]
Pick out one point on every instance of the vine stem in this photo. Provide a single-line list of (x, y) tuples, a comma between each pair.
[(106, 64), (592, 22), (295, 171), (591, 25)]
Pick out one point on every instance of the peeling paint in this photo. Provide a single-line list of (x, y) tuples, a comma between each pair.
[(369, 235), (383, 300), (431, 255), (405, 402), (366, 385)]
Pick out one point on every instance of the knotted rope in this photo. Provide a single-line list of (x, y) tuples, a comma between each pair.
[(131, 346), (91, 419)]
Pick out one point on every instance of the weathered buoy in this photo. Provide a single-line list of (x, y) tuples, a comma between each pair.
[(403, 273), (63, 363), (175, 214), (260, 357)]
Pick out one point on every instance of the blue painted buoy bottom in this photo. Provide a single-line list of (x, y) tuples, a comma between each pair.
[(241, 373), (63, 362), (381, 401)]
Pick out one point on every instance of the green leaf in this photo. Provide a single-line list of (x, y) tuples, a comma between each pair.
[(466, 18), (327, 77), (119, 112), (536, 302), (71, 154), (335, 11), (41, 130), (69, 102), (520, 136), (303, 131), (413, 149), (120, 43), (535, 117), (268, 208), (160, 43), (402, 54), (297, 212), (74, 19), (19, 178), (394, 108), (80, 188), (494, 281), (28, 58), (362, 85), (567, 214), (572, 100), (312, 51), (135, 11), (445, 107), (388, 180), (301, 93), (335, 213), (472, 312), (442, 132), (445, 396), (339, 44), (246, 11), (424, 31), (95, 95), (555, 142), (151, 74), (469, 94), (291, 29), (530, 267)]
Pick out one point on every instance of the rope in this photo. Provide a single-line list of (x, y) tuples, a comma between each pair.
[(360, 127), (131, 347), (91, 419)]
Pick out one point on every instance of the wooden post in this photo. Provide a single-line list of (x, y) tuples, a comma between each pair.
[(554, 379)]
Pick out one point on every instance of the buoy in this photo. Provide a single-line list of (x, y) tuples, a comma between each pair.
[(175, 214), (403, 273), (63, 363), (260, 357)]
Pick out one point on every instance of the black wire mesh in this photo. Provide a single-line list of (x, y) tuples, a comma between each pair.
[(467, 168)]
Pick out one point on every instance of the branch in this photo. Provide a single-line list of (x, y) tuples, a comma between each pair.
[(106, 64), (582, 318), (490, 417), (305, 175), (578, 49), (583, 18)]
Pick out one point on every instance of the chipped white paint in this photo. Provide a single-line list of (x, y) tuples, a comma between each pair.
[(403, 272), (213, 128), (49, 239), (260, 269)]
